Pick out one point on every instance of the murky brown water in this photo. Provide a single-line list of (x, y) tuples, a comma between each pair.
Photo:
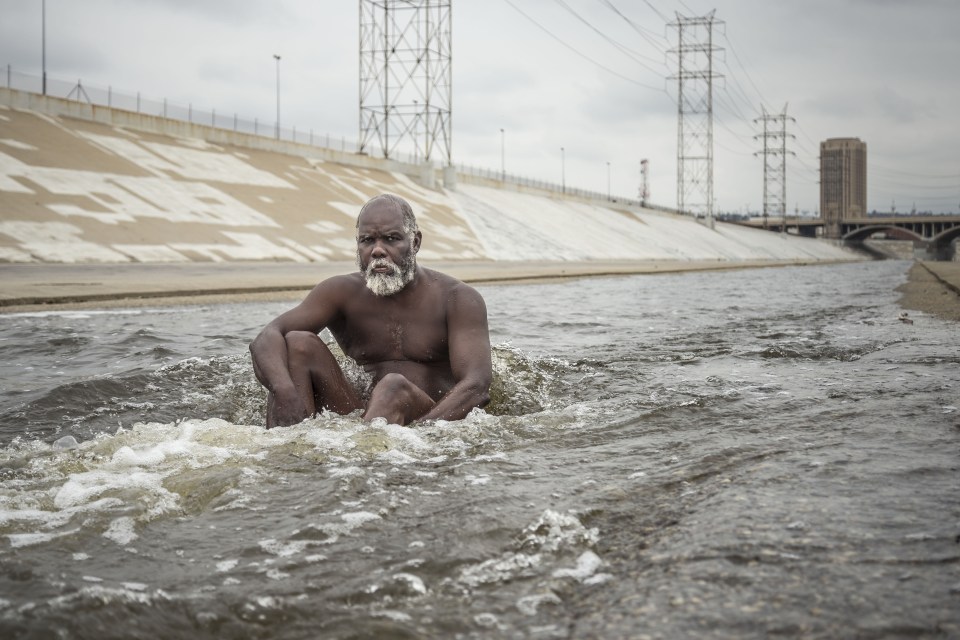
[(726, 454)]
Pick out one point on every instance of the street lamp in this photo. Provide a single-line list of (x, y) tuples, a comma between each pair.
[(277, 58), (608, 180), (503, 170), (43, 43), (563, 169)]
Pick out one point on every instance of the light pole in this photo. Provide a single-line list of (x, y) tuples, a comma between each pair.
[(503, 170), (563, 170), (43, 43), (608, 180), (277, 58)]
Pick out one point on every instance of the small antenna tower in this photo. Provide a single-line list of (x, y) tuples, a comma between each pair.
[(406, 77), (695, 113), (774, 164)]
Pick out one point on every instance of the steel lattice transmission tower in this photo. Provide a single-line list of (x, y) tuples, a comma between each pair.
[(774, 164), (406, 78), (695, 113)]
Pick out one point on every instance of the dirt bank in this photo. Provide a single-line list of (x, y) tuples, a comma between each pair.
[(933, 289)]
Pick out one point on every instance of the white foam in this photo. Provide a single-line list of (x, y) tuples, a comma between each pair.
[(284, 549), (499, 569), (528, 605), (359, 518), (83, 488), (396, 457), (587, 565), (396, 616), (18, 540), (122, 531), (227, 565), (554, 530), (415, 583)]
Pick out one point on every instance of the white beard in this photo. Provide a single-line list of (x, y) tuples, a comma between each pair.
[(387, 284)]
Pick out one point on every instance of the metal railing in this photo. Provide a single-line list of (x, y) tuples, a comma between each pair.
[(163, 108), (544, 185), (138, 103)]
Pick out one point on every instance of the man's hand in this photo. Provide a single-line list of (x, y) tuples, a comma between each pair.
[(288, 407)]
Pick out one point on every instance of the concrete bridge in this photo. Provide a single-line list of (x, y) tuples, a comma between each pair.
[(932, 236)]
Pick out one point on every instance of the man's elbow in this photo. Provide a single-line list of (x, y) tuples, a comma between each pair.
[(254, 346), (258, 344), (480, 392)]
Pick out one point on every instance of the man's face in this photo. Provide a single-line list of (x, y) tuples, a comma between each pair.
[(386, 255)]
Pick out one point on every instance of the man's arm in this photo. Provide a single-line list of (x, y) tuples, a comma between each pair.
[(269, 349), (469, 345)]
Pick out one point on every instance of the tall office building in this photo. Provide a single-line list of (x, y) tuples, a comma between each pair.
[(843, 182)]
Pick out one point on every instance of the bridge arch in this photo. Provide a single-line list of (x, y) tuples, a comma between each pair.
[(940, 243), (861, 234)]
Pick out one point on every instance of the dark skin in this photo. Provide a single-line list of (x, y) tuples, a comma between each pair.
[(426, 346)]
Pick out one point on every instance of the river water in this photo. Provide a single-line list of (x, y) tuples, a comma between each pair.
[(718, 454)]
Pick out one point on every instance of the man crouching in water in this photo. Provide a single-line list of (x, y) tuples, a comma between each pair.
[(420, 334)]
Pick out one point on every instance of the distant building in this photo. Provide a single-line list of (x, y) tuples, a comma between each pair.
[(843, 182)]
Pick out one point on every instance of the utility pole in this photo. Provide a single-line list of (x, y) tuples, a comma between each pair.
[(774, 164), (277, 58), (695, 113), (503, 166), (43, 43), (608, 180), (563, 169)]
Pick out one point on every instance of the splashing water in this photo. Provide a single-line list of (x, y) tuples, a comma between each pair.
[(727, 454)]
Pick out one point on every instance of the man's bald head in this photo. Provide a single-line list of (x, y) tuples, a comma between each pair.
[(400, 205)]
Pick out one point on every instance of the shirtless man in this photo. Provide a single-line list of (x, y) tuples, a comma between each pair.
[(421, 335)]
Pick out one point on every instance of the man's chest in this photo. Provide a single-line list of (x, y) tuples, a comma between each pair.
[(395, 333)]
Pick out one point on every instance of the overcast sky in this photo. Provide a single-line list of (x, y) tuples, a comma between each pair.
[(591, 76)]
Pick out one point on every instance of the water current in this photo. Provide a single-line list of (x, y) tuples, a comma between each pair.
[(726, 454)]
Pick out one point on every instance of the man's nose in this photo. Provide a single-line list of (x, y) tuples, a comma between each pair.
[(378, 251)]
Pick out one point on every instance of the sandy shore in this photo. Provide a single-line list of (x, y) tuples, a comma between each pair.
[(932, 287), (52, 287)]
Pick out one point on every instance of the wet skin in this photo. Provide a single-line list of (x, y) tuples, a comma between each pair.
[(427, 346)]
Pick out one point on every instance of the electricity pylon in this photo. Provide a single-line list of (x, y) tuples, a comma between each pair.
[(406, 77), (695, 113), (774, 164)]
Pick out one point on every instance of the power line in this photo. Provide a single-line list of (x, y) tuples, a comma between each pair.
[(581, 54), (638, 28), (749, 78), (629, 52), (948, 176)]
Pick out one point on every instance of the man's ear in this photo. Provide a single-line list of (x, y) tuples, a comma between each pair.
[(417, 239)]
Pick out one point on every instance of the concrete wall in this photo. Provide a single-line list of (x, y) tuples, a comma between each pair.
[(84, 183)]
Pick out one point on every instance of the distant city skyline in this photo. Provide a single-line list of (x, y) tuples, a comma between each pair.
[(589, 76)]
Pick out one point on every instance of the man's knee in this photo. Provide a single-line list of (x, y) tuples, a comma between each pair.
[(303, 344), (395, 395), (394, 384)]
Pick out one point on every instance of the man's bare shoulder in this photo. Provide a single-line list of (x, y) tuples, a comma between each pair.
[(346, 282), (446, 281), (458, 294)]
